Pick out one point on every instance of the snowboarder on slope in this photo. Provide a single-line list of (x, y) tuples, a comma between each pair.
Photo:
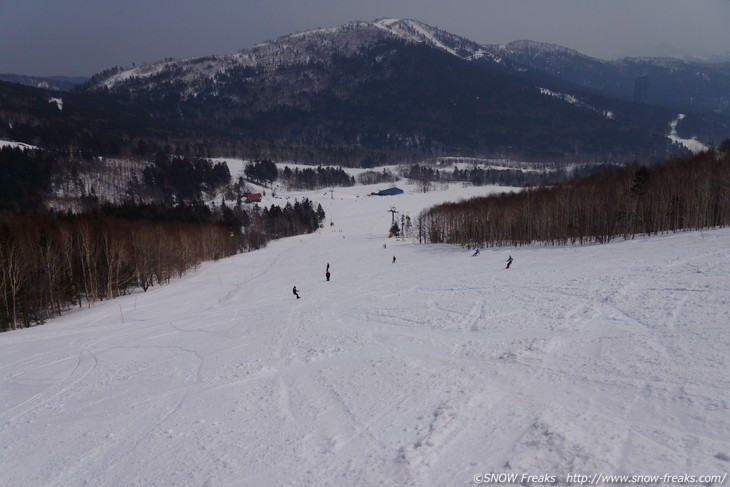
[(296, 293), (476, 252), (509, 262), (394, 259)]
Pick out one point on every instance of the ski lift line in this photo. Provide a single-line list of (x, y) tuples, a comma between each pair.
[(392, 212)]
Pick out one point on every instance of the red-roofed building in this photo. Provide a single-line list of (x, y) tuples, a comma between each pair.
[(252, 197)]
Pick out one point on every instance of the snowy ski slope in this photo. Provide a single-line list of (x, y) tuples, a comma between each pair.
[(436, 370)]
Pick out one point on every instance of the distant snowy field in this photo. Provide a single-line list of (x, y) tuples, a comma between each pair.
[(431, 371), (15, 145)]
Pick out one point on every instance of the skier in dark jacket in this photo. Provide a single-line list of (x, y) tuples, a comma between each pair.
[(509, 262), (327, 275), (296, 293)]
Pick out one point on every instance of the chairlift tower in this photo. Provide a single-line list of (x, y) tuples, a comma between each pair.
[(392, 215)]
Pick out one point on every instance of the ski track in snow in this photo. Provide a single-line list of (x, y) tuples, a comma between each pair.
[(597, 359)]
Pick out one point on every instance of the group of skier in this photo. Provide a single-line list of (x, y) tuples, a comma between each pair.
[(327, 275), (327, 270), (509, 259)]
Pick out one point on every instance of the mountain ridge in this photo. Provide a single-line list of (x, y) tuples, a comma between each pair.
[(678, 83), (291, 88), (400, 89), (297, 48)]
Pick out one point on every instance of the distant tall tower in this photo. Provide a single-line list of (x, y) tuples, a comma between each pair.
[(641, 89)]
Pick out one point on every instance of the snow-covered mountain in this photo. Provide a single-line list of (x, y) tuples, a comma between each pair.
[(385, 90), (689, 85), (389, 85), (440, 369), (685, 84), (297, 49)]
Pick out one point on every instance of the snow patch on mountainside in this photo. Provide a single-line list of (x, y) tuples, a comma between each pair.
[(573, 100), (562, 96), (693, 145), (16, 145), (412, 31), (136, 72), (58, 102)]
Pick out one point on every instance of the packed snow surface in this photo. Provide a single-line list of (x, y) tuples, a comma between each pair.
[(435, 370)]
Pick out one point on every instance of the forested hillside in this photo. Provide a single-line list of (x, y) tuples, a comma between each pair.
[(163, 225), (620, 202)]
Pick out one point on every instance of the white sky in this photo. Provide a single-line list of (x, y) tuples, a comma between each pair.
[(82, 37)]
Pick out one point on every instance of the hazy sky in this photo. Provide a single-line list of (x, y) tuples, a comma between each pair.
[(83, 37)]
